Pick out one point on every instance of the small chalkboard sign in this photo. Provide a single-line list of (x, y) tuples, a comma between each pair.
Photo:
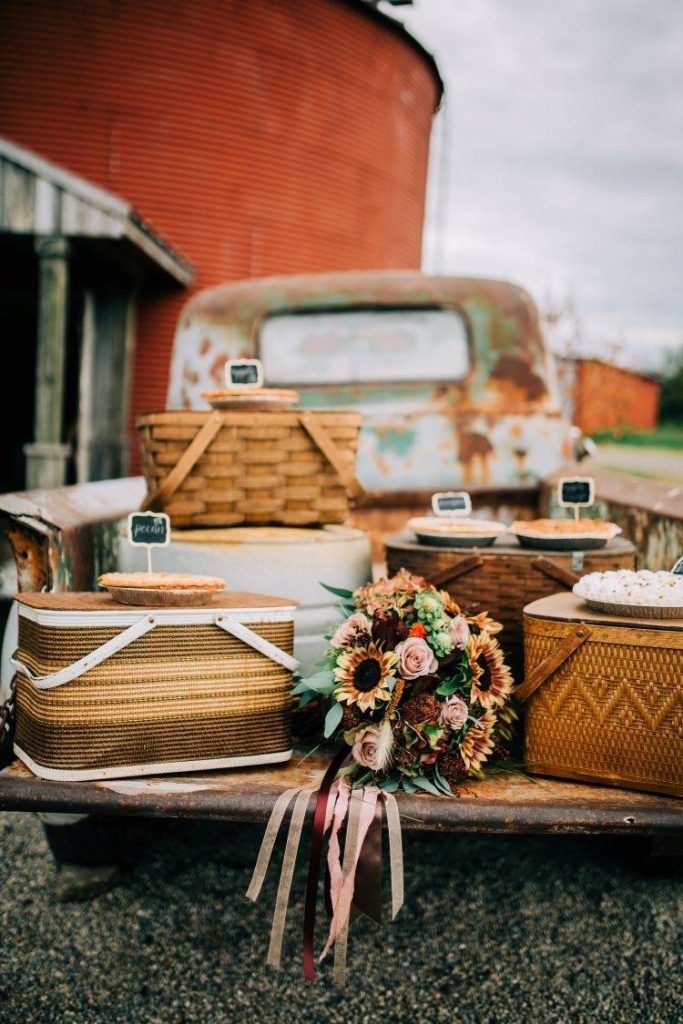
[(149, 530), (451, 503), (678, 567), (244, 373), (576, 492)]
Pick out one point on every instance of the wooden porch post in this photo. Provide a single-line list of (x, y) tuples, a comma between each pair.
[(46, 456)]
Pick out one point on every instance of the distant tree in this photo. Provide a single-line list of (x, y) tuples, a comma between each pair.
[(671, 382)]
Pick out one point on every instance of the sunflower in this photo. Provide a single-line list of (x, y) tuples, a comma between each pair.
[(363, 675), (485, 623), (477, 746), (491, 678), (451, 606), (507, 716)]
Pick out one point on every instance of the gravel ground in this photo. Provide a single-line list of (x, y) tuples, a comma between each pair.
[(494, 931)]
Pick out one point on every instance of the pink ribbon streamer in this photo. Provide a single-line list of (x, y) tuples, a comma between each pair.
[(357, 808), (342, 881)]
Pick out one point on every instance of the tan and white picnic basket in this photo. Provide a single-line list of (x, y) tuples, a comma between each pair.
[(105, 690), (603, 696), (226, 468)]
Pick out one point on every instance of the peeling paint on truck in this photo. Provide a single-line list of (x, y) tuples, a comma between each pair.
[(500, 424)]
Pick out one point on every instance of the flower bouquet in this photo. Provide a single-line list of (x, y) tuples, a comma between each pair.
[(418, 699), (417, 690)]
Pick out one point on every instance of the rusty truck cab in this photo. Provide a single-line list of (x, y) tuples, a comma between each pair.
[(452, 375)]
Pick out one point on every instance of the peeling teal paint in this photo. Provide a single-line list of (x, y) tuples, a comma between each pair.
[(399, 442), (415, 436)]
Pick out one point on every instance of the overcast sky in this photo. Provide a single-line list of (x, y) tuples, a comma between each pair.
[(562, 161)]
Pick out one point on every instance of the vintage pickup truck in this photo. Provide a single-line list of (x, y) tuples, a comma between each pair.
[(452, 376), (457, 388)]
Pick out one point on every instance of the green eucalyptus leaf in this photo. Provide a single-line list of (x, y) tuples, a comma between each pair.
[(389, 785), (408, 786), (333, 719), (365, 777), (321, 682), (338, 591), (425, 784), (440, 779)]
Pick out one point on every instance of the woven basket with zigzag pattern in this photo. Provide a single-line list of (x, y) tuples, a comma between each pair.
[(604, 696)]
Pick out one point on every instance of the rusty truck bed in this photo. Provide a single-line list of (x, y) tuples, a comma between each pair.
[(500, 804)]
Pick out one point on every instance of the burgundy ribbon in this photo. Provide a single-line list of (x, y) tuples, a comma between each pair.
[(314, 859)]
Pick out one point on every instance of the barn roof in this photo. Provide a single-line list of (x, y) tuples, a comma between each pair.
[(38, 197)]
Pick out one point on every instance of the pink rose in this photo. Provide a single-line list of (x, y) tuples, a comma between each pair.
[(460, 631), (415, 658), (454, 712), (355, 629), (372, 746)]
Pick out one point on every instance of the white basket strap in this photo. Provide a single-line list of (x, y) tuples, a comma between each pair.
[(239, 630), (96, 657)]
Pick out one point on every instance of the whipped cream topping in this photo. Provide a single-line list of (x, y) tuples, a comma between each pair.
[(624, 586)]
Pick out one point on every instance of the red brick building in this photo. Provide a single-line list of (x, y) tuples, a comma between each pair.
[(600, 396), (254, 138)]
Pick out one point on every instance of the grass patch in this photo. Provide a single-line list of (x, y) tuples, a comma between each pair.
[(666, 435)]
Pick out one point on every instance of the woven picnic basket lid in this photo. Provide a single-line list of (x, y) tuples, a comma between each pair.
[(103, 602), (567, 607)]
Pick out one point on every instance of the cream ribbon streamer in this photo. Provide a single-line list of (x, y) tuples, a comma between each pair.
[(286, 874), (395, 851), (268, 843), (358, 808)]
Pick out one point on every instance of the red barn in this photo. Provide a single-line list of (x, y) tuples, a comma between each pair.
[(600, 396), (250, 138)]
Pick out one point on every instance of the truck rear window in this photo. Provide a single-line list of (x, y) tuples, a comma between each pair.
[(364, 346)]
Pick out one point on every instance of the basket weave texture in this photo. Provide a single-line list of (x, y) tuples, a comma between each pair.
[(178, 693), (613, 710), (507, 578), (258, 467)]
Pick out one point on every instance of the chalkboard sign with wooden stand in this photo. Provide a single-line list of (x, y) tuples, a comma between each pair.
[(148, 530), (451, 503), (244, 373), (576, 492)]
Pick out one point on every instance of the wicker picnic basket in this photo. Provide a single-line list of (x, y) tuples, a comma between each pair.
[(603, 695), (104, 690), (225, 468), (503, 578)]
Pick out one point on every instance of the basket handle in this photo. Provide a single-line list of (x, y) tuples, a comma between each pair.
[(196, 448), (255, 640), (556, 572), (332, 453), (555, 660), (452, 572), (92, 660), (138, 629)]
